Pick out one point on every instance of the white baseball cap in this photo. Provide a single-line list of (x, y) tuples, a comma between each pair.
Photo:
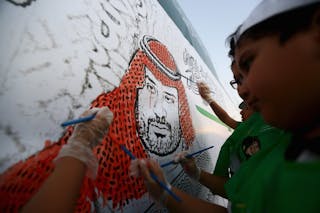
[(269, 8)]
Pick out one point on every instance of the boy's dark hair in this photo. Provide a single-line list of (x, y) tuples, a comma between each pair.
[(232, 45), (285, 24), (231, 42)]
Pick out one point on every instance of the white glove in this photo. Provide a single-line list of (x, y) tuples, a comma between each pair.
[(144, 167), (85, 137), (205, 92), (188, 164), (90, 133)]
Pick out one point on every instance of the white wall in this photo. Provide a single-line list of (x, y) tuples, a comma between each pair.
[(57, 56)]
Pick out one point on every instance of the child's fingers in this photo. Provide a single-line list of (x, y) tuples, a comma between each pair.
[(145, 173), (134, 169)]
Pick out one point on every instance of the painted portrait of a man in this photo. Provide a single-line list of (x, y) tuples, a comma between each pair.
[(151, 118), (159, 128)]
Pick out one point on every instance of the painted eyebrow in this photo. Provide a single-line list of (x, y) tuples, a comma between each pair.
[(167, 93)]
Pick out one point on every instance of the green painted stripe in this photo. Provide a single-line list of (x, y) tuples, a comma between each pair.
[(211, 116)]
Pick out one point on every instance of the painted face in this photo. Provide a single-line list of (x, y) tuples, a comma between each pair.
[(158, 116), (253, 148), (282, 80)]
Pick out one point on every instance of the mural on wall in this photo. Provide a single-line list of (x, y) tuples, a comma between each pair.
[(59, 59), (195, 73), (151, 117), (84, 47)]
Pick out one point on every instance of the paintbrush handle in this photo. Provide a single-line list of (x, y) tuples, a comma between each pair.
[(79, 120), (168, 163), (187, 156), (128, 152), (165, 187), (198, 152)]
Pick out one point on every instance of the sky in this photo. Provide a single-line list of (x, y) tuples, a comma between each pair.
[(214, 21)]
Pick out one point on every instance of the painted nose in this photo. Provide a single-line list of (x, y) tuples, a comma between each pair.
[(159, 111)]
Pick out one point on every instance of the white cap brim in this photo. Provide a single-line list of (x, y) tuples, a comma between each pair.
[(269, 8)]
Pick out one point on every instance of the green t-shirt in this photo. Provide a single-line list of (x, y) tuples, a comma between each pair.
[(269, 183), (232, 151), (296, 188), (247, 185)]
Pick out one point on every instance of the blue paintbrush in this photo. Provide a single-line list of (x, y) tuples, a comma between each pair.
[(79, 120), (187, 156), (153, 176)]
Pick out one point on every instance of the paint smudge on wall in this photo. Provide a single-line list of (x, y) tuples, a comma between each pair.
[(22, 3)]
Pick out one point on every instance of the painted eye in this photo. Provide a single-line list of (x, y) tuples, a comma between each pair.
[(151, 88), (169, 99)]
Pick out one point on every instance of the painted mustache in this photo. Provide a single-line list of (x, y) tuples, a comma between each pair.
[(160, 123)]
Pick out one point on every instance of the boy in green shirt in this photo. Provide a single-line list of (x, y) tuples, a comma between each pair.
[(278, 56)]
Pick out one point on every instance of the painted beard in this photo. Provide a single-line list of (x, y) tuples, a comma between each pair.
[(158, 137)]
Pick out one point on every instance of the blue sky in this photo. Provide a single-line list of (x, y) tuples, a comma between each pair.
[(214, 20)]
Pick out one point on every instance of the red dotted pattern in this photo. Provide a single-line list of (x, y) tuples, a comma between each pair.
[(162, 54), (22, 180), (113, 182)]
